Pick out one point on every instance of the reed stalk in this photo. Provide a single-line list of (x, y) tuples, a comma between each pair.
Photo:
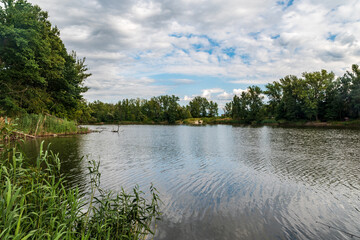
[(35, 204)]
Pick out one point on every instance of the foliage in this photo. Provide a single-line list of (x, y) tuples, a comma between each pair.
[(38, 124), (35, 204), (316, 96), (201, 107), (313, 93), (7, 129), (248, 106), (161, 109), (37, 75)]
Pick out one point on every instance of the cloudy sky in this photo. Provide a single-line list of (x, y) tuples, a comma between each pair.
[(212, 48)]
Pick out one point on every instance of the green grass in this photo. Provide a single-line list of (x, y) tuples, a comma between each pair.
[(35, 124), (269, 121), (35, 204), (354, 123)]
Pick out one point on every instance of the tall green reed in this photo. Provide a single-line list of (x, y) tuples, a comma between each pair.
[(7, 129), (38, 124), (35, 204)]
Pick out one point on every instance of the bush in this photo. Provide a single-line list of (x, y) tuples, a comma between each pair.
[(35, 204)]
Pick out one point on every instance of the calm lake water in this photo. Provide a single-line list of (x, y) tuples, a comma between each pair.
[(227, 182)]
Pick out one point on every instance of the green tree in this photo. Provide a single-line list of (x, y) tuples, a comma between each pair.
[(240, 106), (313, 94), (37, 74), (354, 95), (291, 103), (199, 107), (255, 104), (228, 109), (274, 93), (213, 109)]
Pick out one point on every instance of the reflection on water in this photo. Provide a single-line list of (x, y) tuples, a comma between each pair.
[(225, 182), (72, 164)]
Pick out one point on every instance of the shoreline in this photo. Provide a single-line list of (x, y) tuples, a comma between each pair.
[(32, 126), (227, 121), (20, 135)]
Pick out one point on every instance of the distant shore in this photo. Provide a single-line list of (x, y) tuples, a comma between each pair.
[(230, 121)]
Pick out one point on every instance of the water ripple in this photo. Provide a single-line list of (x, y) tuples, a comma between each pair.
[(225, 182)]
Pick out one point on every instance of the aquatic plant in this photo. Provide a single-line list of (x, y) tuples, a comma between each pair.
[(37, 124), (35, 204), (7, 129)]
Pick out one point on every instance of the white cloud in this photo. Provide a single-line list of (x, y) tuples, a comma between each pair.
[(224, 96), (183, 81), (206, 93), (187, 98), (239, 91), (127, 41)]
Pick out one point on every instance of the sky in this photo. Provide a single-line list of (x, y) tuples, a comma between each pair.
[(213, 48)]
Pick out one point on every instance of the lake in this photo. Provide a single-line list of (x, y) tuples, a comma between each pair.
[(229, 182)]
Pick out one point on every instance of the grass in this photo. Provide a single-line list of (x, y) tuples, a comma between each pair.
[(7, 130), (269, 121), (212, 120), (34, 204), (39, 125), (353, 123)]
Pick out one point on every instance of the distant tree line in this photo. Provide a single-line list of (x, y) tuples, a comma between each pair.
[(314, 96), (158, 109), (37, 74)]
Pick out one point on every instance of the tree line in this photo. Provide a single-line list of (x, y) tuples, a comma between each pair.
[(316, 96), (157, 109)]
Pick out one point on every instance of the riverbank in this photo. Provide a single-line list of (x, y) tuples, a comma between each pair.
[(271, 122), (37, 125), (230, 121)]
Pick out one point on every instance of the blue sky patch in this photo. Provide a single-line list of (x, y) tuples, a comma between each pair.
[(285, 4), (245, 58), (331, 37), (230, 52), (254, 35)]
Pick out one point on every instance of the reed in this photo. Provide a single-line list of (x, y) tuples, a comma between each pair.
[(37, 124), (7, 130), (35, 204)]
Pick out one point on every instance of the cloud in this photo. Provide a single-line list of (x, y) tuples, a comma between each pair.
[(206, 93), (239, 91), (187, 98), (183, 81), (225, 96), (236, 41)]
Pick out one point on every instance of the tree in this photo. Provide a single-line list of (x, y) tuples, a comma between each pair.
[(354, 96), (274, 93), (228, 109), (255, 102), (239, 107), (249, 105), (198, 107), (314, 92), (37, 74), (213, 109), (169, 108), (291, 103)]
